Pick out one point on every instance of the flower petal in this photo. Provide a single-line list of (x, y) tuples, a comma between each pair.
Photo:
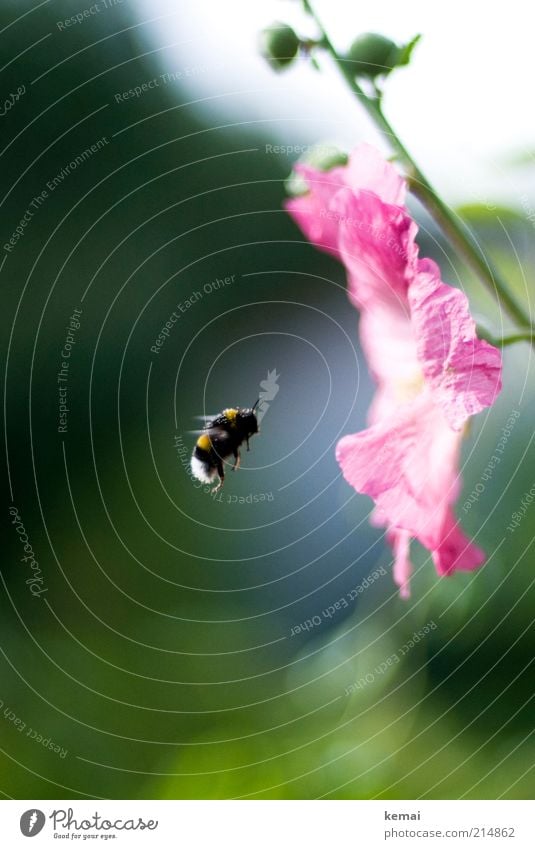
[(368, 169), (388, 343), (312, 212), (455, 550), (402, 570), (377, 246), (408, 464), (464, 372)]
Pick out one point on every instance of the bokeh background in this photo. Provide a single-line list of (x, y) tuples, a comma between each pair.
[(164, 659)]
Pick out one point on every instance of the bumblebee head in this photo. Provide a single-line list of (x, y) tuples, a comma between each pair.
[(249, 421)]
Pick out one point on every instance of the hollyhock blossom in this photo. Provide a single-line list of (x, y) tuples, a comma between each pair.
[(431, 370), (365, 169)]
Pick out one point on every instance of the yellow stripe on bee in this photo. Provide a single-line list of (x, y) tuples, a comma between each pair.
[(204, 442), (231, 414)]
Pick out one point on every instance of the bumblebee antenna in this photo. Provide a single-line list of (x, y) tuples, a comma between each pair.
[(256, 403)]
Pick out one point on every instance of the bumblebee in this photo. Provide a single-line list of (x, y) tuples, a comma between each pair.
[(221, 439)]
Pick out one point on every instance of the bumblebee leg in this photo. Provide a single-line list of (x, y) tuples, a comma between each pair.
[(237, 459), (221, 474)]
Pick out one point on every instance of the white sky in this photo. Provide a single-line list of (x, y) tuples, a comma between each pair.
[(463, 107)]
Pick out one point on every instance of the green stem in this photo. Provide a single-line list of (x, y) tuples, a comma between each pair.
[(504, 341), (448, 222)]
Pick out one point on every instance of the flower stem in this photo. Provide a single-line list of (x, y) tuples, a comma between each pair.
[(504, 341), (420, 186)]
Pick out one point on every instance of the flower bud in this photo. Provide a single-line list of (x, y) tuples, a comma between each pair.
[(372, 55), (279, 45)]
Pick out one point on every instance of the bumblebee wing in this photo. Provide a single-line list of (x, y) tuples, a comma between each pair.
[(206, 424), (205, 419)]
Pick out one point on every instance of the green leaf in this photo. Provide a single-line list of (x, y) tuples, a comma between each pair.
[(405, 51), (520, 160), (487, 213)]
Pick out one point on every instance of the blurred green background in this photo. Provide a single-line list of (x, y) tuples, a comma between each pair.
[(161, 658)]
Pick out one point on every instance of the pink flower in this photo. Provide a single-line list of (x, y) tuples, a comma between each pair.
[(431, 370), (365, 169)]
